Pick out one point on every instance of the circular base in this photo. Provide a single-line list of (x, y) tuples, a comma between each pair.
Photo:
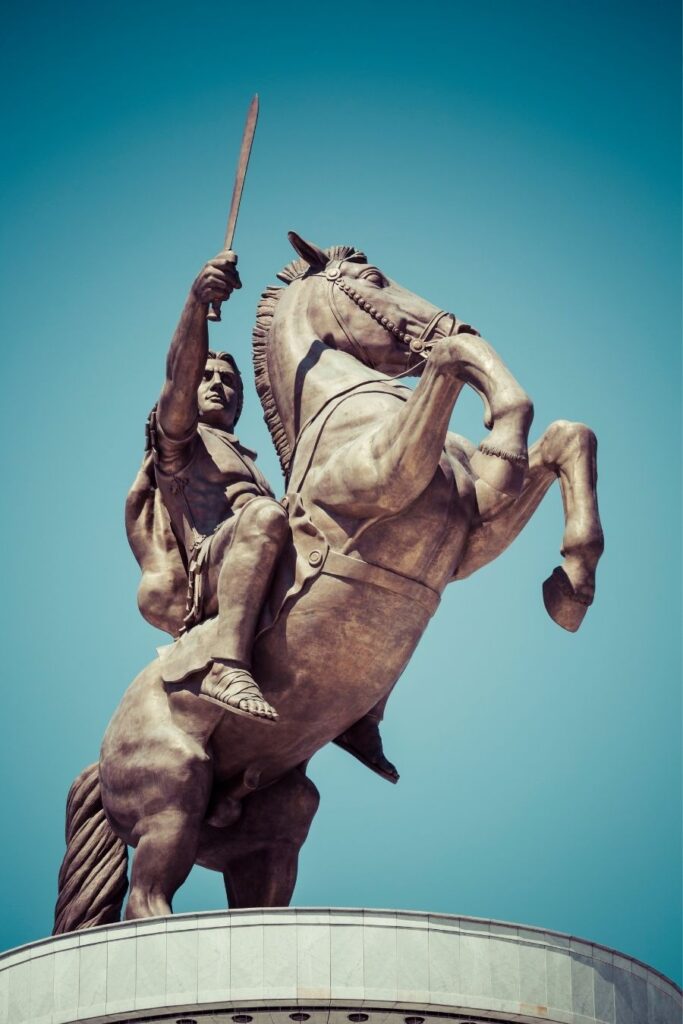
[(290, 966)]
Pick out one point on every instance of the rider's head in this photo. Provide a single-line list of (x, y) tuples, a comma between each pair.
[(220, 393)]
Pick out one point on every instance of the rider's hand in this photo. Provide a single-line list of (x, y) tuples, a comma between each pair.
[(216, 281)]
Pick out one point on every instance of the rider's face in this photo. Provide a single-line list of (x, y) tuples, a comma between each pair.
[(217, 394)]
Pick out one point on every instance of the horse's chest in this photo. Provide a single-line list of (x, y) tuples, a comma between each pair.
[(427, 539)]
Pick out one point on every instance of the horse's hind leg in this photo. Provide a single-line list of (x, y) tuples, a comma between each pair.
[(259, 855), (163, 859), (168, 837), (566, 451)]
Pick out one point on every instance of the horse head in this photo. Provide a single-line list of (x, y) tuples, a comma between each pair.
[(336, 306), (355, 307)]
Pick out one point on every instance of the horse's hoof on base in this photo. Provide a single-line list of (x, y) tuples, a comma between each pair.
[(562, 603)]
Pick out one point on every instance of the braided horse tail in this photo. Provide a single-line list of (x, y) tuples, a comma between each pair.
[(93, 877)]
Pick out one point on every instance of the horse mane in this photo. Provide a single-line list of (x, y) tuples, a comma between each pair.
[(265, 311)]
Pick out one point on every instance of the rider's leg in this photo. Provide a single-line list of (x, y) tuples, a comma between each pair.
[(568, 451), (242, 566)]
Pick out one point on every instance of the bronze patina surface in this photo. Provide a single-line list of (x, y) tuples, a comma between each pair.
[(308, 609)]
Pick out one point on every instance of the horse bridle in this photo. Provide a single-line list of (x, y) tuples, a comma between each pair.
[(421, 345)]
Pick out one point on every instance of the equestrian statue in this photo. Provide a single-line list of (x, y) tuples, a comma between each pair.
[(292, 620)]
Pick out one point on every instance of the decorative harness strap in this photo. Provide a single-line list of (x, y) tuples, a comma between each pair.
[(347, 568)]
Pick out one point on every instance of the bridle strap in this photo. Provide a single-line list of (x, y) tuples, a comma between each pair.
[(423, 343)]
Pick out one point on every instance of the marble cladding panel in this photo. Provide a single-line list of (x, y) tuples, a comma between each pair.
[(313, 946), (505, 968), (41, 983), (150, 967), (412, 961), (346, 960), (444, 961), (475, 962), (558, 967), (246, 958), (181, 967), (380, 962), (533, 980), (65, 993), (280, 960), (18, 1004), (213, 964), (380, 968), (121, 971), (92, 980)]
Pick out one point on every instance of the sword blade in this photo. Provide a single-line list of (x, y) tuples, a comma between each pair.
[(240, 174)]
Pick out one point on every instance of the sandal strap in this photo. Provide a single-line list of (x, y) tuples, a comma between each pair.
[(240, 685)]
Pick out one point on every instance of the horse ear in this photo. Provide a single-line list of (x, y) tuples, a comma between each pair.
[(314, 256)]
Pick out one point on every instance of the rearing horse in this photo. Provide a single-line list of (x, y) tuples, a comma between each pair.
[(385, 508)]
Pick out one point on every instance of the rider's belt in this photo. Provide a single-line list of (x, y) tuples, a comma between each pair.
[(348, 568)]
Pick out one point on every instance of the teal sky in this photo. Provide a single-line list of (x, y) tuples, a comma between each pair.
[(516, 162)]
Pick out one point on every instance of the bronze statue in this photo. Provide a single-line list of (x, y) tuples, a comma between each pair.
[(385, 507)]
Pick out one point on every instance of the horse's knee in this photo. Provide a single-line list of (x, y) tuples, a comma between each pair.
[(283, 812), (307, 798), (565, 438)]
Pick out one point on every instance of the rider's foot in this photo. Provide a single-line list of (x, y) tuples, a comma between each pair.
[(236, 690), (364, 741)]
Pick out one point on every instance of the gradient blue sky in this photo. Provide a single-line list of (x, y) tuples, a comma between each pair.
[(517, 162)]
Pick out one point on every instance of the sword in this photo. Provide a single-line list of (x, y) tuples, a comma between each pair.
[(240, 174)]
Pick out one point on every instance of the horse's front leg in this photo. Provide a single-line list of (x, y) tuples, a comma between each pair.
[(568, 452), (501, 459), (384, 470), (385, 467)]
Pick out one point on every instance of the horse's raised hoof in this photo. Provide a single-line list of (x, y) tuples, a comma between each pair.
[(236, 690), (562, 603)]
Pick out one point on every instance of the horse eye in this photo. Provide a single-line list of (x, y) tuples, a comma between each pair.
[(374, 277)]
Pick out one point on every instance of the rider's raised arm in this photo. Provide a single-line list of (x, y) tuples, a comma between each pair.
[(177, 411)]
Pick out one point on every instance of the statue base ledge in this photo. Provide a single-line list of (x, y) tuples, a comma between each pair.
[(328, 966)]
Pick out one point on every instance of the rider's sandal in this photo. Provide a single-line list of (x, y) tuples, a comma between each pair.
[(240, 685)]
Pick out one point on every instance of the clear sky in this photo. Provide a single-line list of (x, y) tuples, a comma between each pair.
[(516, 162)]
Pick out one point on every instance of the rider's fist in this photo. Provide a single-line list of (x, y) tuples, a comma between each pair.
[(216, 281)]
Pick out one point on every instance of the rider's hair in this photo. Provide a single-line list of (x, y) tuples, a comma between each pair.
[(225, 357)]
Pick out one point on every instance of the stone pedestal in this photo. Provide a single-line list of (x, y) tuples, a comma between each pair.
[(327, 967)]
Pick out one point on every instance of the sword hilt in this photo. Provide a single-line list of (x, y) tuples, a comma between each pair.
[(214, 314)]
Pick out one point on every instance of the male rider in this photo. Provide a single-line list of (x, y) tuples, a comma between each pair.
[(223, 514)]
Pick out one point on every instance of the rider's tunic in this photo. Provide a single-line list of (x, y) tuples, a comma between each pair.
[(205, 480)]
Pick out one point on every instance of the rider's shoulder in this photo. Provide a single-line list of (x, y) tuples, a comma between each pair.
[(172, 453)]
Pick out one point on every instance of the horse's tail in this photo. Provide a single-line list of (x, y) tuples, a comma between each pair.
[(93, 878)]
